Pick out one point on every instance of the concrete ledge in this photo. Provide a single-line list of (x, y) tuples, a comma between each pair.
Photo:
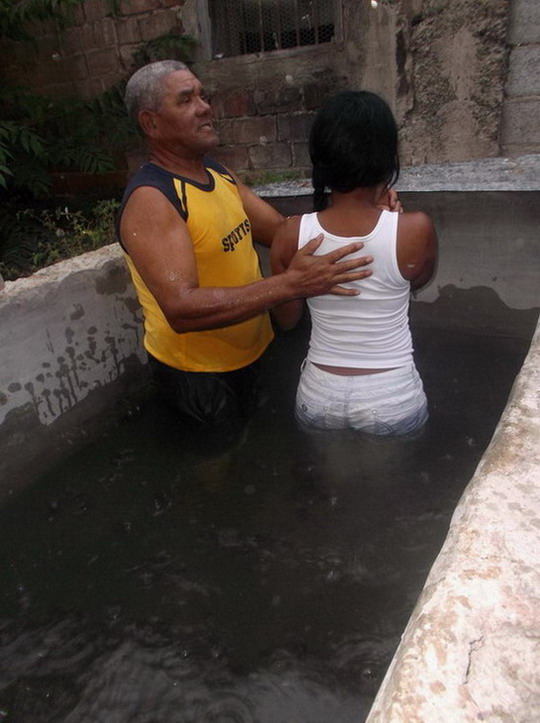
[(471, 650), (521, 173), (69, 335), (67, 328)]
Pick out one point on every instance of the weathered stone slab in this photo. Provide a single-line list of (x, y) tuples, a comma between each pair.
[(471, 650)]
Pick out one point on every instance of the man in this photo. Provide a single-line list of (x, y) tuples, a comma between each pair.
[(187, 226)]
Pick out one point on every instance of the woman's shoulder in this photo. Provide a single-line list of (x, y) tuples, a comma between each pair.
[(286, 234), (414, 224), (416, 247), (290, 227)]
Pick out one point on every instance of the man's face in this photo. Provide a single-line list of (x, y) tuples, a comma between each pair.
[(184, 117)]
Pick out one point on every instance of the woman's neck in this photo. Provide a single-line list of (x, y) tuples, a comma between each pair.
[(352, 214), (362, 197)]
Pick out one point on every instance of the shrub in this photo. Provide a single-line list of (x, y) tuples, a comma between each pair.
[(41, 135), (38, 238)]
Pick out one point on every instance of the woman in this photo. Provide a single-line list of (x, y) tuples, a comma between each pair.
[(359, 372)]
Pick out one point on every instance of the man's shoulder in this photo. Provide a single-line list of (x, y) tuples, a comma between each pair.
[(153, 176), (150, 174)]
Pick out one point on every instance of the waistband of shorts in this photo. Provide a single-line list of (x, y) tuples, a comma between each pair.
[(379, 379)]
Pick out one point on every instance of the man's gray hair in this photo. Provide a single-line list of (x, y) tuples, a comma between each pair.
[(144, 88)]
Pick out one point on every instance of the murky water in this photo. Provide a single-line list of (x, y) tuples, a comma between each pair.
[(147, 581)]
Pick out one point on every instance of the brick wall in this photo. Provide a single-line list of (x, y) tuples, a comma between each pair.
[(94, 52), (264, 131), (442, 66)]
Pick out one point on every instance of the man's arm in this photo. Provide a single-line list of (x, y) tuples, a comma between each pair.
[(161, 249), (283, 249), (263, 217)]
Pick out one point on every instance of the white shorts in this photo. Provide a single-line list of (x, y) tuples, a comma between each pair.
[(385, 403)]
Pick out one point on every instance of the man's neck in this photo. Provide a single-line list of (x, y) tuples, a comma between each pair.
[(191, 167)]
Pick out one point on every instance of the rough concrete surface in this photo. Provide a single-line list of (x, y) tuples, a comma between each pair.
[(523, 77), (471, 650), (458, 66), (520, 173), (524, 22), (520, 126)]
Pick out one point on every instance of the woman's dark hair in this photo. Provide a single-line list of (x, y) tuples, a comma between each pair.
[(353, 143)]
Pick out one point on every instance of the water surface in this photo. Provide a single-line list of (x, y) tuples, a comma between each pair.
[(154, 578)]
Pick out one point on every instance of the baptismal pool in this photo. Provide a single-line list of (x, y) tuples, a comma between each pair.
[(153, 577), (148, 576)]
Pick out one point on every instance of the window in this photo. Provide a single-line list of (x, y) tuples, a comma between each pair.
[(251, 26)]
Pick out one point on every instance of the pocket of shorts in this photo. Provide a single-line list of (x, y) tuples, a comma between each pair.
[(376, 426), (303, 415)]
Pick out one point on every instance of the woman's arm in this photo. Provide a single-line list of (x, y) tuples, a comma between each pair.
[(282, 250), (417, 248)]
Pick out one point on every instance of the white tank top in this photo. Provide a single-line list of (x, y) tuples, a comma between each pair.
[(371, 330)]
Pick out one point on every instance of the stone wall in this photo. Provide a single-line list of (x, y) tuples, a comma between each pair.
[(453, 84), (443, 65)]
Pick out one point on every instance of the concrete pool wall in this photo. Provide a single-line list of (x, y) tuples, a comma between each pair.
[(70, 351)]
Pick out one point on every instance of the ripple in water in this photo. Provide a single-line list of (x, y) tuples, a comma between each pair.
[(226, 707)]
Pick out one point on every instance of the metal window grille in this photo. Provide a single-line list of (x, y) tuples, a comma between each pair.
[(253, 26)]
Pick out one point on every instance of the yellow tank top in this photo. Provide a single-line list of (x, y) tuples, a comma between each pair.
[(225, 256)]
